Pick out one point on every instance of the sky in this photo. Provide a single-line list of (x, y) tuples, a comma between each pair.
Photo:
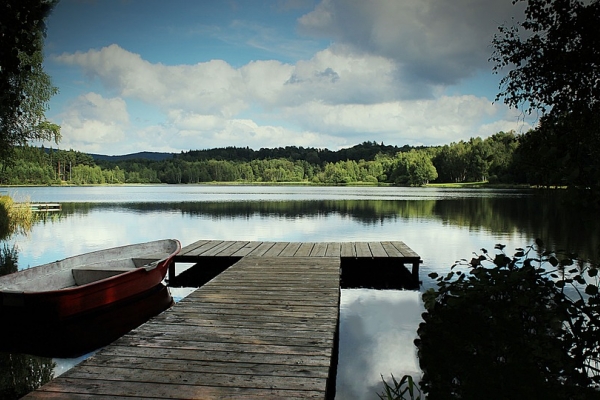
[(180, 75)]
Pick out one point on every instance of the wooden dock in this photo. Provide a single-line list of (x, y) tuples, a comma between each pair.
[(265, 327)]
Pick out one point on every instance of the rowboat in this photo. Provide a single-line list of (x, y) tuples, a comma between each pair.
[(86, 287)]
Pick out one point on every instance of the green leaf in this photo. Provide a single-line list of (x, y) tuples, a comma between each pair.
[(433, 275), (539, 242), (592, 272)]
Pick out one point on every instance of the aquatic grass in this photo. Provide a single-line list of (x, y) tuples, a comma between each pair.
[(404, 389), (14, 217)]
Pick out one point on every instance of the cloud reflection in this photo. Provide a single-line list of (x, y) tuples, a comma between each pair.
[(377, 329)]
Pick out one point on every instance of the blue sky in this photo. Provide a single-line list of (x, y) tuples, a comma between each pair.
[(148, 75)]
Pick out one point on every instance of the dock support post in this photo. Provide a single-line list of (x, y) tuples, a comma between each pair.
[(172, 272), (415, 273)]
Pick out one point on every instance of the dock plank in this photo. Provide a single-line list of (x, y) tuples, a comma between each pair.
[(229, 251), (348, 249), (333, 250), (192, 246), (319, 250), (290, 250), (275, 250), (363, 250), (377, 249), (405, 250), (261, 249), (304, 249), (203, 248), (247, 249), (216, 250)]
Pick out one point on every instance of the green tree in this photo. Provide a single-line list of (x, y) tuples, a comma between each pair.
[(554, 68), (25, 88), (413, 168)]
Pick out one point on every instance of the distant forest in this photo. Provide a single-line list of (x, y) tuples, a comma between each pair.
[(497, 159)]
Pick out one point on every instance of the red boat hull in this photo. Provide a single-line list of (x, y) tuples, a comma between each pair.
[(66, 320)]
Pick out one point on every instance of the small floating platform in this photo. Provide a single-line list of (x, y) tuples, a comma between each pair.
[(45, 207), (265, 327)]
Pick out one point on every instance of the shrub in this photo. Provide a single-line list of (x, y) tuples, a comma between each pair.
[(512, 327)]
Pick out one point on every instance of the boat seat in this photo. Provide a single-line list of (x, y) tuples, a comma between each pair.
[(94, 272)]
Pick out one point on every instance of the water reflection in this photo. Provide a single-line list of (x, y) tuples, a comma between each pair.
[(21, 373), (374, 325), (544, 216)]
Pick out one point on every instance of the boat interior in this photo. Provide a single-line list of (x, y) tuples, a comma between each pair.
[(55, 276)]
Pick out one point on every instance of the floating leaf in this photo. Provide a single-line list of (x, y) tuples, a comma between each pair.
[(592, 272), (433, 275)]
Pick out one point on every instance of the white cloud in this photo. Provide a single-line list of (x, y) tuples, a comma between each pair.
[(92, 121), (212, 87), (422, 122)]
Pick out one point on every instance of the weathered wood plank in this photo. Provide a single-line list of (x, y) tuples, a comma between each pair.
[(405, 250), (333, 250), (192, 246), (304, 249), (118, 374), (102, 388), (247, 249), (363, 250), (319, 250), (348, 250), (198, 251), (290, 249), (186, 355), (261, 249), (377, 249), (391, 250), (202, 366), (216, 250), (229, 251), (275, 250)]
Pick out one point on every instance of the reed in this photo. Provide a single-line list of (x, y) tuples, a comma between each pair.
[(403, 389), (14, 217)]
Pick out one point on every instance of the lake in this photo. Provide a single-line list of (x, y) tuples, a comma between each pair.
[(376, 327)]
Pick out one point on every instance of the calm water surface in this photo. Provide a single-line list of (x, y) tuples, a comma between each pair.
[(377, 327)]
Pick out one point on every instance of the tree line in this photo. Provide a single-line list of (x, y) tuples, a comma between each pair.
[(496, 159)]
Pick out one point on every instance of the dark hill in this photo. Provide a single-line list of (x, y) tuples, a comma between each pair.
[(144, 155)]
